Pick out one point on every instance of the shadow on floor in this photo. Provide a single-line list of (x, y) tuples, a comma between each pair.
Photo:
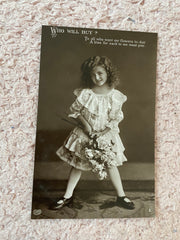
[(95, 204)]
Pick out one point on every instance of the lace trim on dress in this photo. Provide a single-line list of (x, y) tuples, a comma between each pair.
[(89, 101)]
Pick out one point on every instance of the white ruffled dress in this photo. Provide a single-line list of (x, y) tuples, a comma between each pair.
[(100, 111)]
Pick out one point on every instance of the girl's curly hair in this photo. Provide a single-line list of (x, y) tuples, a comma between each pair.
[(90, 63)]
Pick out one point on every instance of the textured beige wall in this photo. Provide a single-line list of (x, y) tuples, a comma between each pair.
[(20, 24)]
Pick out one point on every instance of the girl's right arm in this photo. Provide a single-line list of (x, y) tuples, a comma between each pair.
[(86, 127), (76, 108)]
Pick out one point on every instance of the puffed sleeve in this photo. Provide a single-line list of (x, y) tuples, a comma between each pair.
[(75, 108), (115, 114), (79, 103)]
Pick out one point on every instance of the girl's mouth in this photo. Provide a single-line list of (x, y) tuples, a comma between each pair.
[(99, 81)]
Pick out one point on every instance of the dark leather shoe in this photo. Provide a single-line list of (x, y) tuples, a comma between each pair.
[(61, 203), (122, 203)]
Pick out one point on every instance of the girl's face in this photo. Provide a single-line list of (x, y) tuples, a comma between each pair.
[(99, 76)]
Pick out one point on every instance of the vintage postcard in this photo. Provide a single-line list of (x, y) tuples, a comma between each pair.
[(94, 154)]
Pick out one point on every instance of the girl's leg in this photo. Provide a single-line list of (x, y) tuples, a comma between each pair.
[(122, 200), (72, 182), (74, 177), (116, 181)]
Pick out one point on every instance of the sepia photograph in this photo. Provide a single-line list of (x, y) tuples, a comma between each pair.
[(94, 153)]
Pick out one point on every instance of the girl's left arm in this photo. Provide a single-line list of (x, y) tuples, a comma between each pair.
[(116, 115)]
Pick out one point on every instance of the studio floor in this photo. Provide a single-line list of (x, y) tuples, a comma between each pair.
[(91, 204)]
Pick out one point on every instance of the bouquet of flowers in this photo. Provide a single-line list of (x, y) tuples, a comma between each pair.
[(100, 154)]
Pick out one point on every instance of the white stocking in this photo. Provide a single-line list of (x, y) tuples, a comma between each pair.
[(116, 181), (74, 177)]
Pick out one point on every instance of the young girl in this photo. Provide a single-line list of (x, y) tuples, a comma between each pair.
[(97, 109)]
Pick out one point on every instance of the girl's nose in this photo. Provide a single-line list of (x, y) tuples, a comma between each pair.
[(97, 76)]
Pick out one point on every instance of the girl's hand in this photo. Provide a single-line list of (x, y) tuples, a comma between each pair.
[(101, 133), (97, 134)]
